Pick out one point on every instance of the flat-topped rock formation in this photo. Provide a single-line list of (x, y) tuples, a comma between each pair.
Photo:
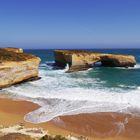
[(17, 67), (82, 60), (17, 50)]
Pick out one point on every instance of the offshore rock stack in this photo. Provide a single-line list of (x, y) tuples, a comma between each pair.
[(82, 60)]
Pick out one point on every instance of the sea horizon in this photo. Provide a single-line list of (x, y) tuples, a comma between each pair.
[(96, 80), (70, 70)]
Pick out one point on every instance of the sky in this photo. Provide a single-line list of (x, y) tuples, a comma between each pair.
[(69, 23)]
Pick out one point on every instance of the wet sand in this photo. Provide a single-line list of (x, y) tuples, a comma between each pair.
[(116, 126), (12, 112), (96, 126)]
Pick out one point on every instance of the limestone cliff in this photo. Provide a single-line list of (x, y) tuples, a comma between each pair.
[(82, 60), (17, 50), (17, 67)]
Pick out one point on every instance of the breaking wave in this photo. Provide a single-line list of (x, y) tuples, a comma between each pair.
[(59, 93)]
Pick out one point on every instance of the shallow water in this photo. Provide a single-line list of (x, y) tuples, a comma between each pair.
[(99, 89)]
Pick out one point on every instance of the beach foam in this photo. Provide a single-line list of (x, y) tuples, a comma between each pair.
[(137, 66), (60, 93)]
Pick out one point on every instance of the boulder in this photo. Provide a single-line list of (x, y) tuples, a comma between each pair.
[(17, 67), (82, 60)]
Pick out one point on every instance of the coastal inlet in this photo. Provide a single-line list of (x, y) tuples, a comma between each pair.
[(101, 89)]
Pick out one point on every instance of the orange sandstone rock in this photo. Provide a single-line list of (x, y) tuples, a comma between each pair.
[(17, 50), (82, 60), (17, 67)]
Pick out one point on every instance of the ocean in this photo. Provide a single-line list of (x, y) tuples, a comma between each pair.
[(100, 89)]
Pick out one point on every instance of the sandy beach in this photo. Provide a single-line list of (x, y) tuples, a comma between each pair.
[(12, 112), (108, 126), (69, 69), (104, 125)]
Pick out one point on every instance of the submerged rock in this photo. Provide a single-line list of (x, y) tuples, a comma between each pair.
[(82, 60), (16, 67)]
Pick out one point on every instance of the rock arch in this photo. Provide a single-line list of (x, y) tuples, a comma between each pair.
[(82, 60)]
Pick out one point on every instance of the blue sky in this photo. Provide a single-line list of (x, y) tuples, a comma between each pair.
[(57, 23)]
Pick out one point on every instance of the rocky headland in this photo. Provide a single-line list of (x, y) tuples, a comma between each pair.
[(82, 60), (16, 66)]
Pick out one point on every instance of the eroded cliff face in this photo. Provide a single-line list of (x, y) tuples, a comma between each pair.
[(17, 67), (82, 60), (118, 60)]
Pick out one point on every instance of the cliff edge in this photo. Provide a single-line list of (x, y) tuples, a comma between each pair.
[(16, 67), (17, 50)]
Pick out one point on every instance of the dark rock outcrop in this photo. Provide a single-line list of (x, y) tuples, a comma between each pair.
[(57, 137), (82, 60)]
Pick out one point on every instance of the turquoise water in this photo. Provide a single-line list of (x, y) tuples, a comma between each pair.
[(112, 77), (100, 89)]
